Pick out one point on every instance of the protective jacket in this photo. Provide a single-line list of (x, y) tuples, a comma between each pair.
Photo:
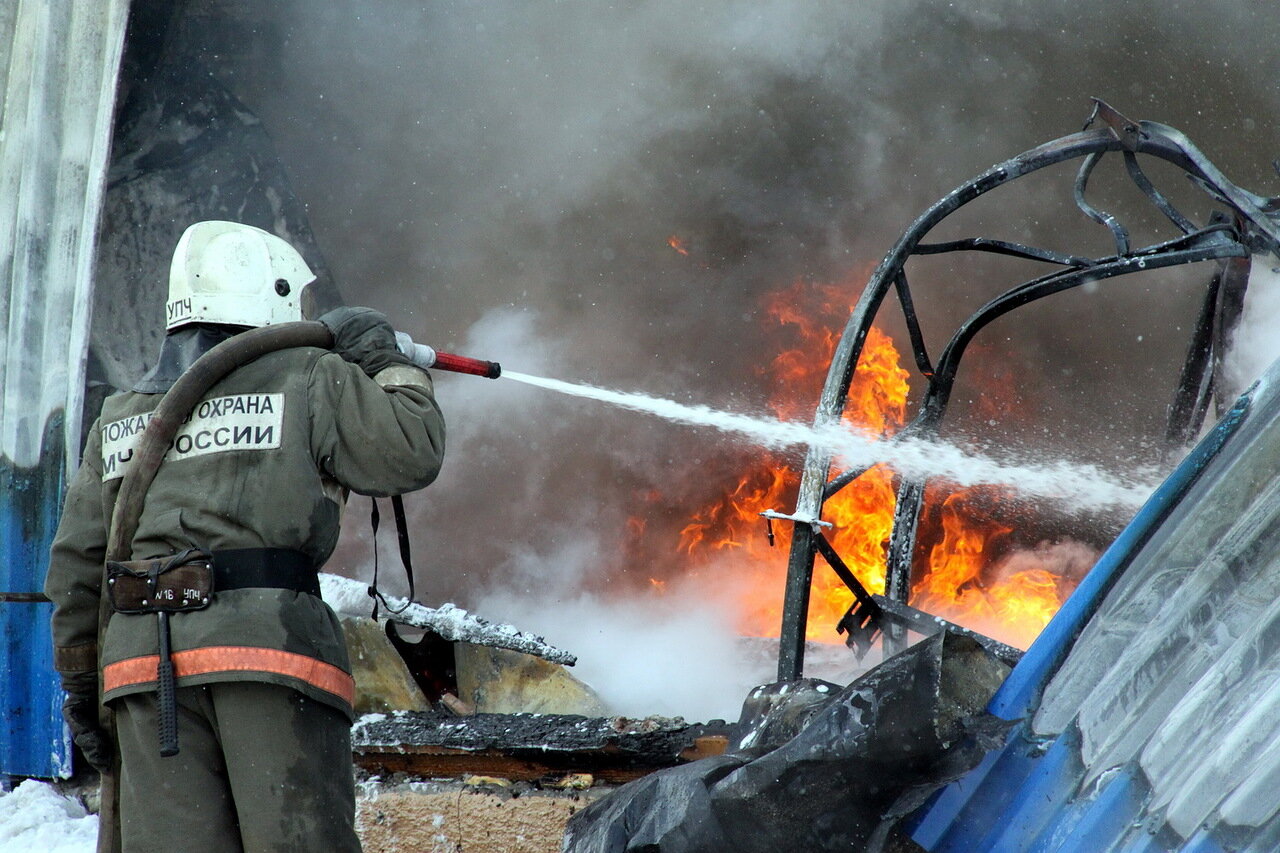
[(262, 462)]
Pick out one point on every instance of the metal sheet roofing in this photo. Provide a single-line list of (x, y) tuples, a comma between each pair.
[(1149, 706), (58, 67)]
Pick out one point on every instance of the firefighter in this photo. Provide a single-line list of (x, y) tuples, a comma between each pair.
[(248, 500)]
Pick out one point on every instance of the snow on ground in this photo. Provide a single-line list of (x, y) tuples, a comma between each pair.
[(35, 817)]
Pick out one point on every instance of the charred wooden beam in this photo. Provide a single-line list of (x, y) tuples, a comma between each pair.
[(529, 747)]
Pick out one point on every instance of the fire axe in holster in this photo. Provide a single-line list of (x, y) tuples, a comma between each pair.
[(176, 584)]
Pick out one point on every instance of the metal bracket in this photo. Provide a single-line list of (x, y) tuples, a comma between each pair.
[(813, 522), (1126, 131), (33, 597), (861, 626)]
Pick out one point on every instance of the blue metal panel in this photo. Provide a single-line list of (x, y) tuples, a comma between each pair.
[(32, 737), (989, 802), (1052, 780), (1106, 818), (945, 807), (1020, 692), (1202, 842), (58, 74), (1024, 797), (1145, 842), (1045, 812)]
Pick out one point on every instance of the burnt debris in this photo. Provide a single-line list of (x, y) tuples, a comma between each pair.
[(530, 746), (874, 749)]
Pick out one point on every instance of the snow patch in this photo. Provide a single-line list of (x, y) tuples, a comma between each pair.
[(34, 816), (350, 597), (345, 596)]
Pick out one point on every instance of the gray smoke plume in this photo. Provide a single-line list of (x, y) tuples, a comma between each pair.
[(504, 180)]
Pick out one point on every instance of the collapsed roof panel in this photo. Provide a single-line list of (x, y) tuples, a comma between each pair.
[(1154, 730)]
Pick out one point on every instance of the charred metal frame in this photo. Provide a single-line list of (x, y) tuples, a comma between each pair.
[(1247, 225)]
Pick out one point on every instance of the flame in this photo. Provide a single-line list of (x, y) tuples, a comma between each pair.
[(957, 583), (679, 245), (969, 582)]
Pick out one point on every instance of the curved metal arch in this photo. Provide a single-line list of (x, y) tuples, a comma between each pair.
[(1248, 227)]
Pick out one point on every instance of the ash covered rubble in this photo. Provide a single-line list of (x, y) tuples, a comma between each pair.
[(808, 762), (481, 690), (808, 765), (450, 622)]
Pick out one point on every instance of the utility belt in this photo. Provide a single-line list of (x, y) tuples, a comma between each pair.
[(188, 580)]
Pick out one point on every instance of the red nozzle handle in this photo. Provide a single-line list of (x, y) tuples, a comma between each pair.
[(462, 364)]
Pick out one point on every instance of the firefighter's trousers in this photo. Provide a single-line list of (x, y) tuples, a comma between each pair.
[(261, 768)]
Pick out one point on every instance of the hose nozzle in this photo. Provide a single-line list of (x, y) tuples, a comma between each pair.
[(424, 356)]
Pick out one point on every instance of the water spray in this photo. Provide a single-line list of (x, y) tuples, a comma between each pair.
[(1080, 486)]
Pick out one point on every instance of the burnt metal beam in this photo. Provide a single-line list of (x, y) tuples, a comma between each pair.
[(1118, 232), (913, 324), (838, 483), (1139, 177), (1253, 227), (1001, 247), (24, 597), (1210, 244), (842, 571), (1235, 280), (1196, 381), (926, 623), (899, 558), (531, 746), (863, 621)]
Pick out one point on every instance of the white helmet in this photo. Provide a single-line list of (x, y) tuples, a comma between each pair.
[(225, 272)]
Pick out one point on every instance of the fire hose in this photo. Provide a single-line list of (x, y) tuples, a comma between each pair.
[(176, 405)]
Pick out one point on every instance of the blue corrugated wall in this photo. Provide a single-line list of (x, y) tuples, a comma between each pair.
[(33, 742)]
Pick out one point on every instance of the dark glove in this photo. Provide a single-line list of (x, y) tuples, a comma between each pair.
[(363, 337), (80, 710)]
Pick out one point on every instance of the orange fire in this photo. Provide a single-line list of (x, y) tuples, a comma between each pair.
[(956, 580), (676, 243)]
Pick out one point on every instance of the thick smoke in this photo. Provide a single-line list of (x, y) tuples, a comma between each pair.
[(503, 181)]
